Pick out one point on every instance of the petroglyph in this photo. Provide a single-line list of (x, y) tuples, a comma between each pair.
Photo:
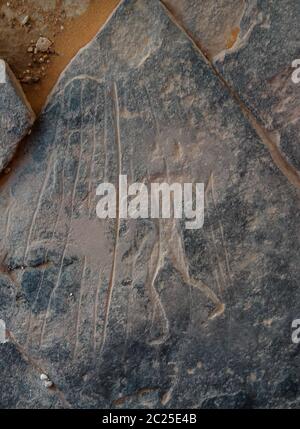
[(108, 305)]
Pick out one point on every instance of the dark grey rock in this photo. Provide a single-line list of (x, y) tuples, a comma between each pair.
[(21, 384), (214, 25), (146, 313), (253, 44), (259, 67), (16, 115)]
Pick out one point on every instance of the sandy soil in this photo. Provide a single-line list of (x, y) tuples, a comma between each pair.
[(67, 24)]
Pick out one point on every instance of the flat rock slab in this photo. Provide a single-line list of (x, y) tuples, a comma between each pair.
[(23, 387), (253, 44), (16, 115), (145, 313), (215, 25), (259, 67)]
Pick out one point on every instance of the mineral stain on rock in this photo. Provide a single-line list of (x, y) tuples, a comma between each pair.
[(233, 37), (212, 24), (260, 71)]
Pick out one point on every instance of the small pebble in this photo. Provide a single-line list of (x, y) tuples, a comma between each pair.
[(24, 20), (46, 381), (43, 44), (48, 384)]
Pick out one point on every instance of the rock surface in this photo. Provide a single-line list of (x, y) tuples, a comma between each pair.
[(21, 386), (146, 313), (260, 43), (16, 115), (213, 25), (259, 67)]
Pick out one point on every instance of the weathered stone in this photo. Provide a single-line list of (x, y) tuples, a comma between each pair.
[(16, 115), (21, 386), (213, 25), (259, 68), (253, 44), (43, 44), (146, 313)]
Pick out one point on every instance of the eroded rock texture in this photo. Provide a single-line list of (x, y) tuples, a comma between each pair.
[(259, 67), (144, 313), (16, 115), (253, 44), (21, 386), (215, 25)]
